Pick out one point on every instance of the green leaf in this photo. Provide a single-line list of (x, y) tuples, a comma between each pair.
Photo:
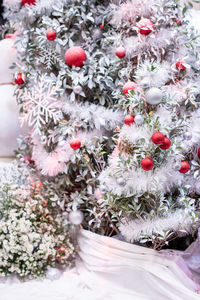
[(184, 10)]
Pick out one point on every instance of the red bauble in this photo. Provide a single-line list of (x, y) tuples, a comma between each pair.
[(184, 167), (51, 35), (120, 52), (199, 152), (166, 144), (75, 56), (28, 159), (129, 86), (158, 138), (101, 26), (75, 144), (128, 120), (19, 79), (147, 164), (145, 26), (180, 65), (29, 2)]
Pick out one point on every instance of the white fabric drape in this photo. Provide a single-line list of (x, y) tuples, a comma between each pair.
[(108, 269), (118, 268)]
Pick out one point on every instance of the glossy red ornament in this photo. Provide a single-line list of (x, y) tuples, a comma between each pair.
[(158, 138), (75, 56), (147, 164), (29, 2), (101, 26), (180, 65), (75, 144), (129, 86), (184, 167), (51, 35), (19, 79), (199, 152), (166, 144), (128, 120), (145, 26), (120, 52)]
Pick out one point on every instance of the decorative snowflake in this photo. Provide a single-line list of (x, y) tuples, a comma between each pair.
[(40, 105), (49, 57)]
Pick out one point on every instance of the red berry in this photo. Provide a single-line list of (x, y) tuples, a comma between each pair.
[(120, 52), (147, 164), (101, 26), (180, 66), (29, 2), (51, 35), (128, 120), (19, 79), (75, 56), (75, 144), (178, 22), (199, 152), (135, 58), (129, 86), (145, 26), (166, 144), (158, 138), (184, 167), (28, 159)]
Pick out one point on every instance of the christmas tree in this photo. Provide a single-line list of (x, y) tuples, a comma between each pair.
[(65, 75), (152, 181), (84, 67)]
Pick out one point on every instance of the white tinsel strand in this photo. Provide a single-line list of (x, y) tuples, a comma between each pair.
[(133, 134), (157, 77), (133, 230), (128, 11), (50, 164), (91, 113), (181, 91), (138, 181), (135, 46)]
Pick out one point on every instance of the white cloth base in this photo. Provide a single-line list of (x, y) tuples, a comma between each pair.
[(109, 269), (134, 272)]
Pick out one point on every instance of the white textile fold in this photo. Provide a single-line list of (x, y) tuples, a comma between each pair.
[(108, 269), (132, 272)]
